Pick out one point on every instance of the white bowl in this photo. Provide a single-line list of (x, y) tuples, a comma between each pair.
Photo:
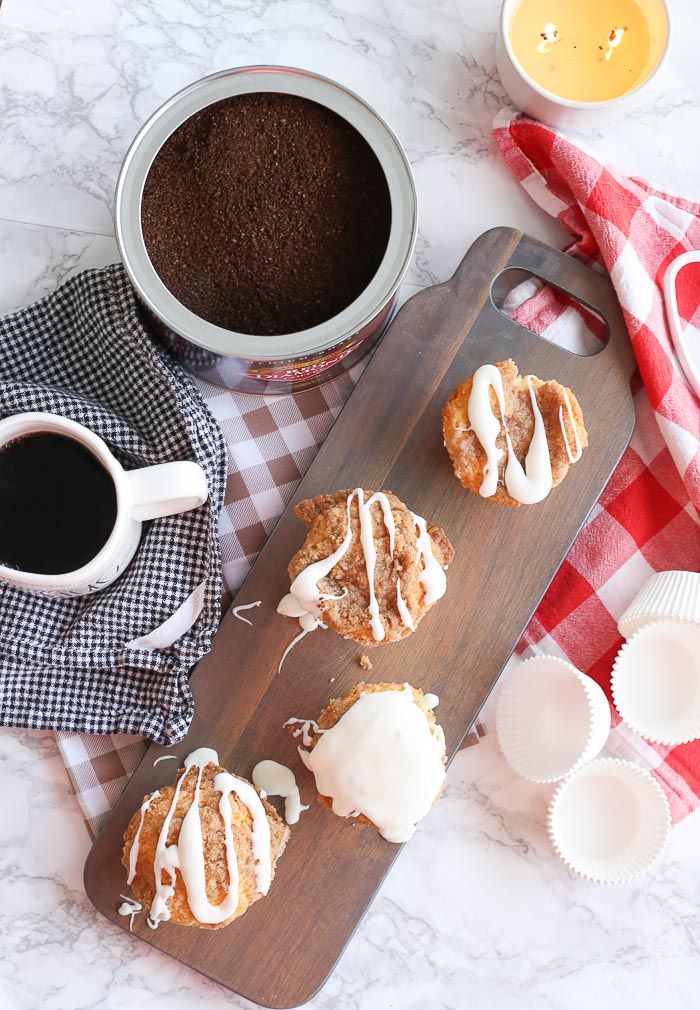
[(665, 595), (656, 682), (609, 821), (549, 108), (550, 719)]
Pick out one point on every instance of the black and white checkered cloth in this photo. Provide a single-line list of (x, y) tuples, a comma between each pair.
[(84, 352)]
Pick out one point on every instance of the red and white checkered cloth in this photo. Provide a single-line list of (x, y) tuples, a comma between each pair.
[(647, 519)]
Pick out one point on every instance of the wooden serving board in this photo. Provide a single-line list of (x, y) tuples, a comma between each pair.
[(388, 436)]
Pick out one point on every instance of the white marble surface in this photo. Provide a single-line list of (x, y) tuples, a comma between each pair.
[(476, 913)]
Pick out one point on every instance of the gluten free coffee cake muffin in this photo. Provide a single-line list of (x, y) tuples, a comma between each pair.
[(200, 852), (512, 438), (370, 568), (378, 756)]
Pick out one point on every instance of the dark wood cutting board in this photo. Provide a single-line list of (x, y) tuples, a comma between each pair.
[(388, 437)]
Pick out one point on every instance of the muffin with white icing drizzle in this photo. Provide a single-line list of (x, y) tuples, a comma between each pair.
[(378, 755), (512, 438), (370, 569), (200, 852)]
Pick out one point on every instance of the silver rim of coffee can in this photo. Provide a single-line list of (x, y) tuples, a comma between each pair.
[(291, 346)]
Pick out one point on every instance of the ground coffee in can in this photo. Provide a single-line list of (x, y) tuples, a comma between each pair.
[(266, 213)]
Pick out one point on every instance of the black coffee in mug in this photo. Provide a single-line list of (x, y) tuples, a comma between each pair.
[(58, 504)]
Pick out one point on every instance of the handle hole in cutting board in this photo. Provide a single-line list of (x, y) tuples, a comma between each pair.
[(559, 316)]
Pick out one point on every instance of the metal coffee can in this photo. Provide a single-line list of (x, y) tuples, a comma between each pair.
[(289, 362)]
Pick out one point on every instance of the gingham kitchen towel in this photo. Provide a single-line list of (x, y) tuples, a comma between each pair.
[(87, 663), (647, 518)]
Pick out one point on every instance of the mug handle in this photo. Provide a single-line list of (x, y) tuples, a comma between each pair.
[(678, 334), (166, 489)]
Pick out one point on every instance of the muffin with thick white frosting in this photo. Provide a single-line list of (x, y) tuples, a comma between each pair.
[(378, 755)]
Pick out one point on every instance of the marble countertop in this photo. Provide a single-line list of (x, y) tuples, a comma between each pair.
[(477, 912)]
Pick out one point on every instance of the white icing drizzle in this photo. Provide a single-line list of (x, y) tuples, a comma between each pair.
[(577, 441), (289, 606), (244, 606), (304, 589), (529, 484), (305, 598), (166, 859), (382, 759), (532, 483), (187, 853), (303, 728), (130, 907), (431, 700), (403, 610), (226, 784), (370, 551), (432, 577), (308, 623), (134, 851), (275, 779), (165, 757), (485, 424)]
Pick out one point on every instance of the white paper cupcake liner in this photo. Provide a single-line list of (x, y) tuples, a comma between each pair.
[(550, 719), (667, 595), (609, 821), (656, 682)]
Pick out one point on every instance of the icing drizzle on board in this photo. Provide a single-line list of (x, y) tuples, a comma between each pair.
[(275, 779), (236, 611), (304, 598), (532, 482), (383, 759), (303, 729), (573, 458), (186, 855), (130, 907)]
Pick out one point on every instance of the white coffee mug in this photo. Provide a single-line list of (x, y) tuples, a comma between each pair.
[(147, 493)]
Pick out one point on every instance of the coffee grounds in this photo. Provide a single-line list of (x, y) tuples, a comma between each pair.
[(266, 213)]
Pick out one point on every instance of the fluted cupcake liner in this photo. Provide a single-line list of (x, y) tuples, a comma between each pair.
[(656, 682), (666, 596), (550, 719), (609, 821)]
